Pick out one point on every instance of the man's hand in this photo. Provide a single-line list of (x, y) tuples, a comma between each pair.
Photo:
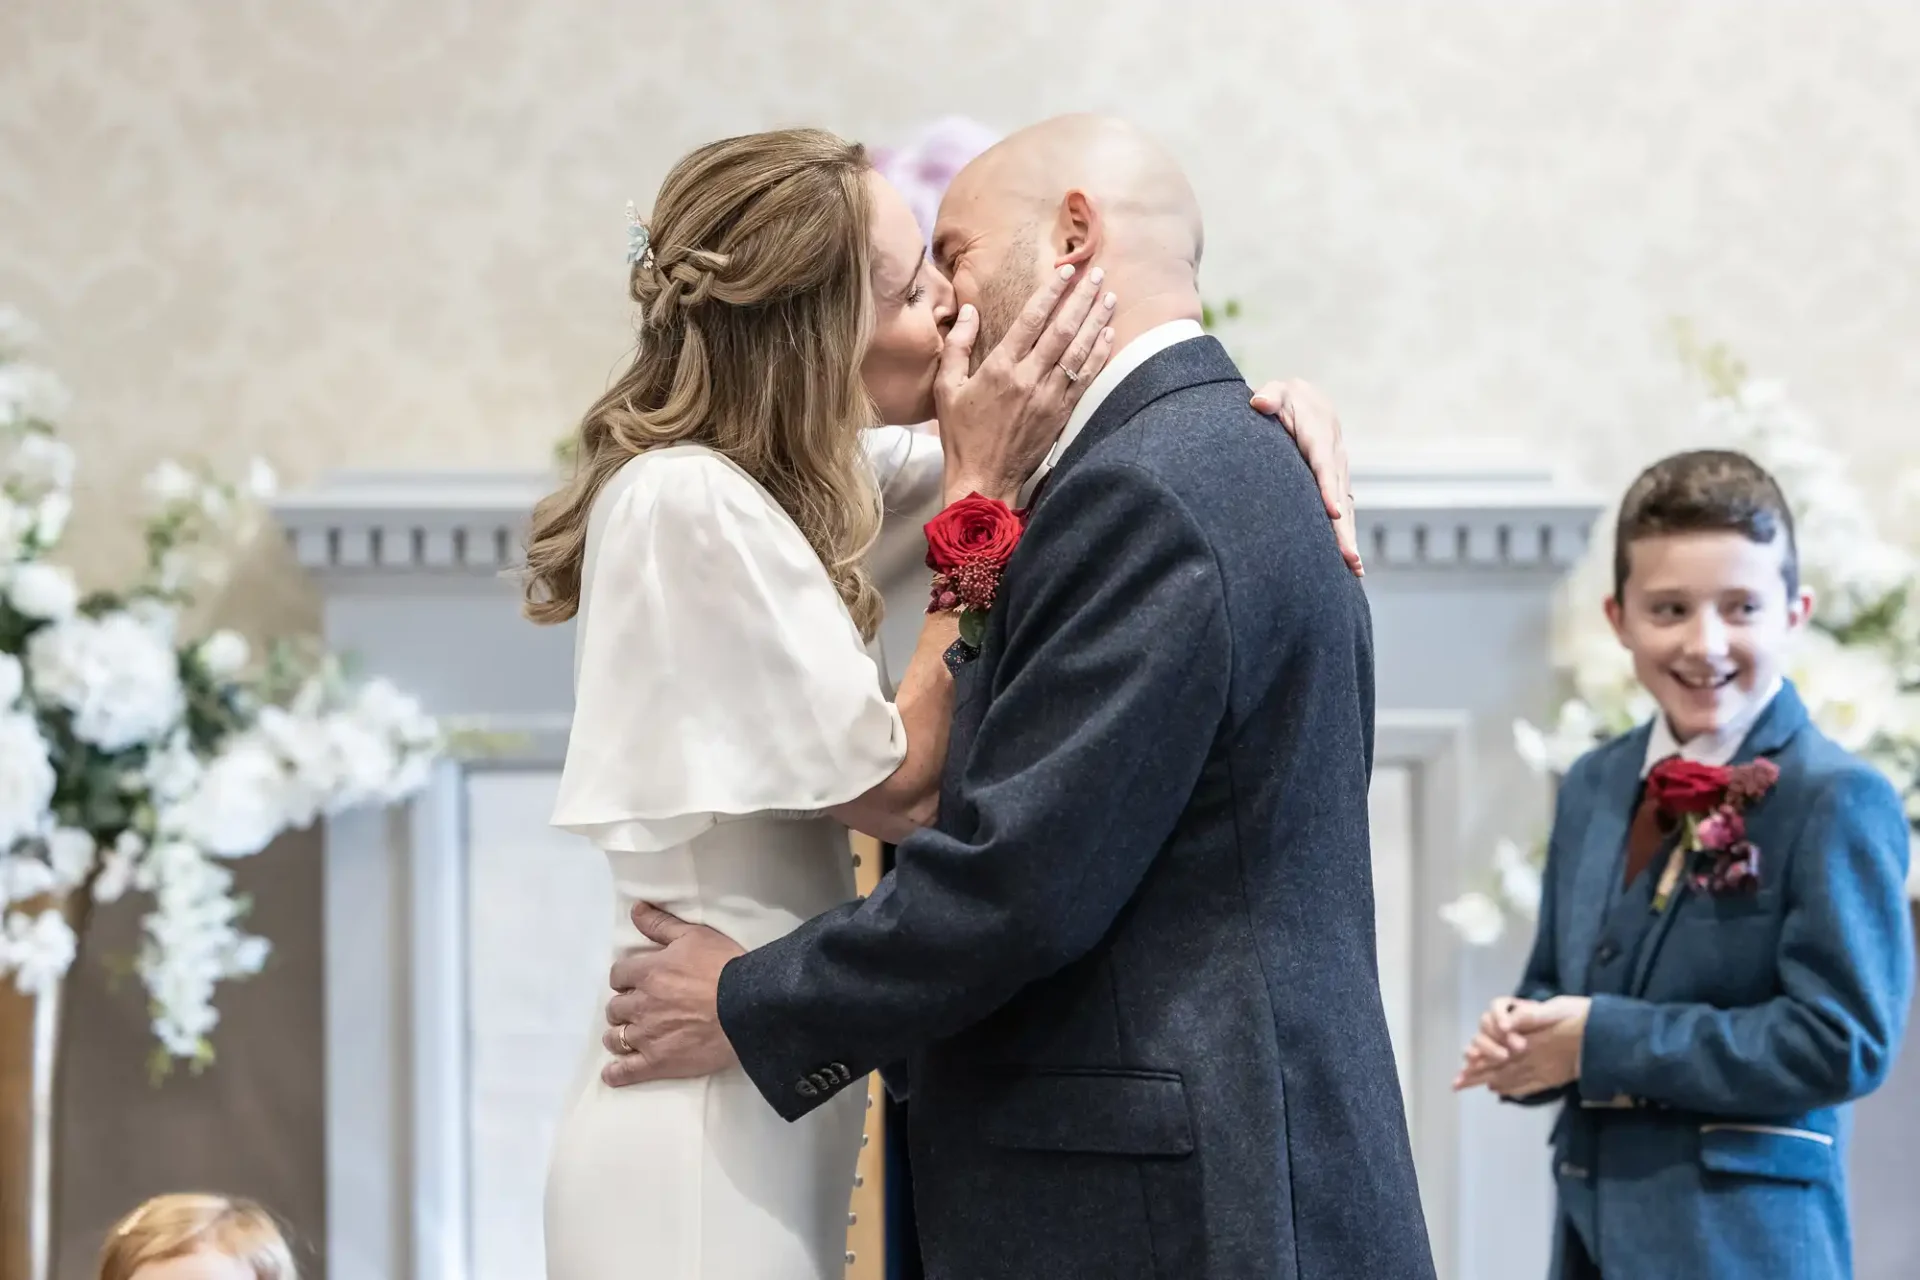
[(1550, 1035), (1309, 417), (664, 1018)]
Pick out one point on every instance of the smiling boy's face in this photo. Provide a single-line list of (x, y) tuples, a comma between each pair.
[(1709, 622)]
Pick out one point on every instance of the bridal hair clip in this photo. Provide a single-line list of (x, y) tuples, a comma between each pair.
[(636, 236)]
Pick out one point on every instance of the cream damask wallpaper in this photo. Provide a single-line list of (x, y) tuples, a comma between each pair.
[(389, 232)]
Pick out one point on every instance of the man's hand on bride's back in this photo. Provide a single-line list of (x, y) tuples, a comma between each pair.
[(1309, 417), (998, 421)]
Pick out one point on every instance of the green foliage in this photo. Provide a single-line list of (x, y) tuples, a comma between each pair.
[(1212, 317)]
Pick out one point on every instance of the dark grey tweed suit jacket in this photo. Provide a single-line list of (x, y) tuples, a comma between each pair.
[(1132, 970)]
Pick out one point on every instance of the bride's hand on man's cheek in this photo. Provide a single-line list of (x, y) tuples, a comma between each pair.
[(998, 419)]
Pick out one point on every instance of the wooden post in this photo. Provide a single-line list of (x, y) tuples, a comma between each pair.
[(16, 1131), (866, 1217)]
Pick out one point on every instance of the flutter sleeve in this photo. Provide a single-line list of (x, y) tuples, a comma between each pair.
[(718, 672)]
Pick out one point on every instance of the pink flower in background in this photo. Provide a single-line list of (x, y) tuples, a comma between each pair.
[(922, 169)]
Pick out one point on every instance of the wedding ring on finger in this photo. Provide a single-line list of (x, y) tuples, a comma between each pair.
[(625, 1046), (1072, 377)]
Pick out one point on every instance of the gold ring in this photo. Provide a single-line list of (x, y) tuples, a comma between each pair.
[(1071, 375), (625, 1047)]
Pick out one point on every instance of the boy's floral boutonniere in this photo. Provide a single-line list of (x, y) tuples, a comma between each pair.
[(1707, 804), (968, 546)]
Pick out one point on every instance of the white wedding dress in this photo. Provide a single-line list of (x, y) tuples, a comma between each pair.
[(723, 700)]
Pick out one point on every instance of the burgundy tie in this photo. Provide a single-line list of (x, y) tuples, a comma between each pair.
[(1646, 834)]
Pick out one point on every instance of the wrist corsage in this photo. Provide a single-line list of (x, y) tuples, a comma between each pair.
[(968, 546)]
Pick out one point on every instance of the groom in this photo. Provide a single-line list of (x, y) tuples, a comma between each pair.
[(1131, 973)]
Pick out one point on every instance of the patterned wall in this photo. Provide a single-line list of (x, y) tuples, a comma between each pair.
[(389, 233)]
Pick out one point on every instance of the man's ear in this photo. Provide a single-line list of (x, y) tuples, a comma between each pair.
[(1077, 230)]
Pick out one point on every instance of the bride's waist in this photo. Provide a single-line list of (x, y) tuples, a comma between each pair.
[(753, 878)]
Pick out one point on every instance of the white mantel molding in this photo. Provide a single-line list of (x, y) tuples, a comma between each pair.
[(1420, 512)]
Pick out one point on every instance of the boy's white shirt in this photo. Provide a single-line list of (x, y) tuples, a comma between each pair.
[(1716, 748)]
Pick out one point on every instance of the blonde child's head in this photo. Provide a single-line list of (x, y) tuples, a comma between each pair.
[(197, 1237)]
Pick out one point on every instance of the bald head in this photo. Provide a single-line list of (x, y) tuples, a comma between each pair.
[(1143, 193), (1084, 189)]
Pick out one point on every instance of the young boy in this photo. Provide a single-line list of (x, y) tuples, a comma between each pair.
[(1724, 954)]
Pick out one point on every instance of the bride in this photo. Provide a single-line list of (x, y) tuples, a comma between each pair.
[(711, 547)]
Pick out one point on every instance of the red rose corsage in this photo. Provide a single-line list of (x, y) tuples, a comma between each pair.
[(1707, 805), (968, 546)]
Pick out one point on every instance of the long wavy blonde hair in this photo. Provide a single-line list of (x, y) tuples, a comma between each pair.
[(756, 314)]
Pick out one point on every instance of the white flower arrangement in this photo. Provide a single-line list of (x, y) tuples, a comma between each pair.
[(1857, 666), (135, 760)]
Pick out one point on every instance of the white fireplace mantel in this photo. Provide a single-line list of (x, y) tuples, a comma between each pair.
[(435, 1128), (1440, 512)]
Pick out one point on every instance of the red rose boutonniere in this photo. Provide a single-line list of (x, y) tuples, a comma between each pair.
[(968, 546), (1708, 805)]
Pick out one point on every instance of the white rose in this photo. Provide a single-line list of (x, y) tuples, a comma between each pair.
[(26, 778), (303, 744), (156, 616), (415, 771), (170, 484), (16, 522), (249, 956), (1476, 917), (50, 521), (43, 591), (240, 802), (172, 770), (365, 760), (23, 877), (1850, 691), (386, 708), (37, 949), (30, 394), (117, 675), (42, 464), (116, 876), (13, 681), (70, 854), (1519, 879), (262, 483), (224, 654), (1903, 717)]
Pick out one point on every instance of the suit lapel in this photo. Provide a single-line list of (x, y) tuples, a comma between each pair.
[(1192, 363), (1784, 717), (1598, 866)]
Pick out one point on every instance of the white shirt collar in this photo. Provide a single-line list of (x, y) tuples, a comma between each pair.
[(1119, 368), (1716, 748)]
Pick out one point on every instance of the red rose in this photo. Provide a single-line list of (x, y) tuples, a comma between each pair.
[(973, 531), (1685, 786)]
